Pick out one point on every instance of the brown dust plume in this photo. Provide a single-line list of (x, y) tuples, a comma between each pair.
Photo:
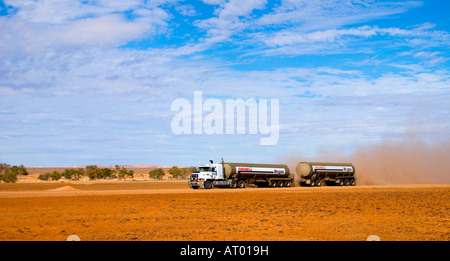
[(411, 161)]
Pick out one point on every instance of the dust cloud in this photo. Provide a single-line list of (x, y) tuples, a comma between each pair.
[(411, 161)]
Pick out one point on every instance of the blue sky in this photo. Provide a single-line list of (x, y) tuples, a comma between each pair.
[(92, 82)]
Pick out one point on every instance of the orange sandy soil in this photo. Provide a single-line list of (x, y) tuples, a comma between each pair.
[(170, 210)]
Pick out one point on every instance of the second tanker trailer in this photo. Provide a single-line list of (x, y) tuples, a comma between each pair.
[(317, 173)]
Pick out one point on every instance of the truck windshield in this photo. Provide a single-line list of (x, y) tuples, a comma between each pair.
[(206, 169)]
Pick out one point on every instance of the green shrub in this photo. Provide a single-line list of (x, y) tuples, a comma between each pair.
[(55, 175), (45, 176), (175, 172), (186, 172), (7, 175), (123, 172), (73, 174), (182, 173), (106, 173), (20, 170), (93, 172), (156, 174)]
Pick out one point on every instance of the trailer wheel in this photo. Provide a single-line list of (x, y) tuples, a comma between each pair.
[(318, 183), (273, 183), (233, 184), (241, 184), (346, 182), (287, 183), (352, 182), (340, 182), (208, 184)]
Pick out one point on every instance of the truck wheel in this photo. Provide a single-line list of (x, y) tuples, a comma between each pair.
[(340, 182), (312, 183), (241, 184), (352, 182), (233, 184), (208, 184), (318, 183)]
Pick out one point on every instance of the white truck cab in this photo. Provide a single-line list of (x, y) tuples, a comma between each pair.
[(206, 175)]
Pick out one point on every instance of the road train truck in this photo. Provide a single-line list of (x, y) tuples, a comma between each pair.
[(238, 175), (316, 173)]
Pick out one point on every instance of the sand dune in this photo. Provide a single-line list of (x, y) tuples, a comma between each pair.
[(65, 188)]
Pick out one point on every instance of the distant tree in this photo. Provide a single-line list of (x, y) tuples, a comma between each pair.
[(123, 172), (7, 175), (73, 174), (131, 173), (156, 174), (106, 173), (55, 175), (45, 176), (20, 170), (67, 173), (175, 172), (4, 167), (78, 173), (93, 172), (120, 174), (186, 172)]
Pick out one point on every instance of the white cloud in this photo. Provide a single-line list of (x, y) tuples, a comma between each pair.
[(317, 15), (357, 39), (229, 19), (305, 27), (105, 30), (424, 54), (235, 8), (332, 35), (213, 2), (186, 10), (438, 60), (63, 11), (21, 38), (52, 25)]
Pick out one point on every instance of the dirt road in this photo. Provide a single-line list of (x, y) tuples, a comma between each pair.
[(169, 210)]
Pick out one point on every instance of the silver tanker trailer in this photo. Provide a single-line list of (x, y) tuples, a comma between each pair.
[(238, 175), (317, 173)]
